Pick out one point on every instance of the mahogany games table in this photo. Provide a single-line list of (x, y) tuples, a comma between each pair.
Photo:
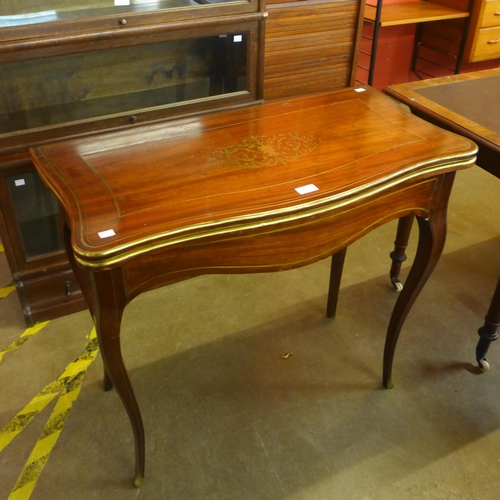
[(256, 189), (468, 104)]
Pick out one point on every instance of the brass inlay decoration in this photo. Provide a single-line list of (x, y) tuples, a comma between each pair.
[(266, 151), (120, 253)]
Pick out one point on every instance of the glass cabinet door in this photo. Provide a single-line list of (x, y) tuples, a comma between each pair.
[(106, 84), (37, 214), (50, 91)]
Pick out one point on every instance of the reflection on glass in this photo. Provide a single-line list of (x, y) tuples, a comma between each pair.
[(22, 12), (48, 91), (37, 214)]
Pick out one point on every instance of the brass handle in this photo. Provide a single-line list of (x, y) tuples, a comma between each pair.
[(491, 42), (123, 22)]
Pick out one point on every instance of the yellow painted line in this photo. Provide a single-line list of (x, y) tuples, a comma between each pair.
[(43, 398), (68, 384), (6, 290), (26, 415), (25, 336), (41, 452)]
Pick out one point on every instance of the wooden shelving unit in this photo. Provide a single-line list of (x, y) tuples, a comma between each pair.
[(411, 12), (405, 13)]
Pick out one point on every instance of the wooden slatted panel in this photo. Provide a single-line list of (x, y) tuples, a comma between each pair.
[(309, 47)]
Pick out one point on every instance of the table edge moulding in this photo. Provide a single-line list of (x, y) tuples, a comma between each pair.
[(278, 186)]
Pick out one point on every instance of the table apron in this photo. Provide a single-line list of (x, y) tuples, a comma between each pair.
[(276, 248)]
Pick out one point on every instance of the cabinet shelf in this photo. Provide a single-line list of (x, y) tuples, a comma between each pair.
[(423, 13), (397, 14)]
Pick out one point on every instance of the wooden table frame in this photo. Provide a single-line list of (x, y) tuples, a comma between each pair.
[(446, 102), (219, 193)]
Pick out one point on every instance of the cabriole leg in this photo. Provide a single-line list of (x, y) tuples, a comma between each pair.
[(432, 236), (110, 300)]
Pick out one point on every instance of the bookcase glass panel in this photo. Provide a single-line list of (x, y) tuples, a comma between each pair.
[(26, 12), (37, 214), (66, 88)]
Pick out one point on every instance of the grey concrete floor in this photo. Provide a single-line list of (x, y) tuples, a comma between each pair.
[(226, 417)]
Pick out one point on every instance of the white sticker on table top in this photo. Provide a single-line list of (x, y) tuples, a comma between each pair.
[(310, 188), (237, 38), (121, 2), (19, 182), (106, 234), (359, 89)]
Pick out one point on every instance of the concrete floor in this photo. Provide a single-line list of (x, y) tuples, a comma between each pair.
[(226, 417)]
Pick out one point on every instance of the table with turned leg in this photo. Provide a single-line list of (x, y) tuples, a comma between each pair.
[(256, 189), (469, 105)]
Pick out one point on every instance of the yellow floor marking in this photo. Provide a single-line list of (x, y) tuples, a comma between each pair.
[(26, 415), (6, 290), (26, 335), (68, 385)]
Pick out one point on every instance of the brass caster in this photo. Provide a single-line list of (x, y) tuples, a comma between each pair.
[(484, 366)]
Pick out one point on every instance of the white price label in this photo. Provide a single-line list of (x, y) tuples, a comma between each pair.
[(310, 188), (106, 234)]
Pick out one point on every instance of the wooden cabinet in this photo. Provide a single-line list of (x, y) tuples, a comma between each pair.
[(69, 70), (483, 40)]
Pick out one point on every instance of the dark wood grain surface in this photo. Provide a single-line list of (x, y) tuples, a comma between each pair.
[(235, 168)]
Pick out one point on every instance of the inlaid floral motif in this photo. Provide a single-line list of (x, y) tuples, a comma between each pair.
[(266, 151)]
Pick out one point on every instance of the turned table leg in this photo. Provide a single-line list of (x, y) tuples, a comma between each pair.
[(488, 332), (398, 255)]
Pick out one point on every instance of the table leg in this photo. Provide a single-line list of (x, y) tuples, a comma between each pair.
[(109, 303), (398, 255), (335, 277), (488, 332), (432, 236)]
